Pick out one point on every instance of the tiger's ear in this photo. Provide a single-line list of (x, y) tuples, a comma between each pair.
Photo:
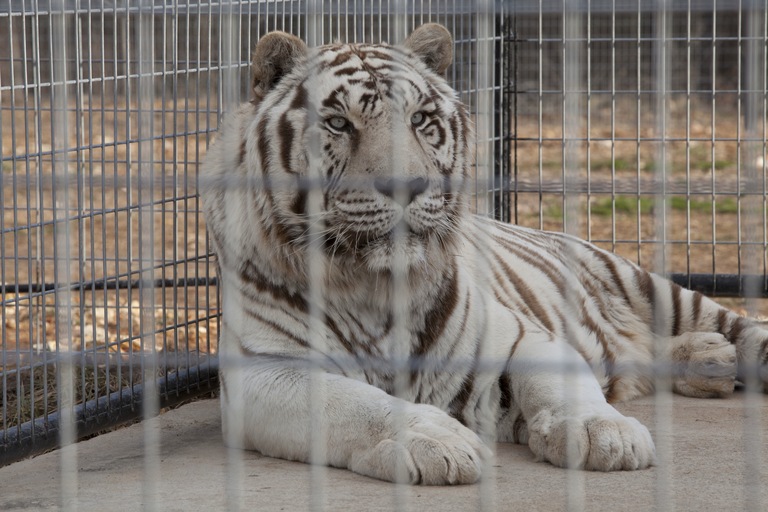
[(433, 44), (274, 57)]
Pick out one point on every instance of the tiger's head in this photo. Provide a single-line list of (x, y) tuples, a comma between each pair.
[(363, 147)]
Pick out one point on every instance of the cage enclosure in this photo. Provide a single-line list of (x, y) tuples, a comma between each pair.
[(640, 127)]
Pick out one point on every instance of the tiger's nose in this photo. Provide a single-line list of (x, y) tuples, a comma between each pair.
[(403, 191)]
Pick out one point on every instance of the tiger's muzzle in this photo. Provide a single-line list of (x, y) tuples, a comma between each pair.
[(402, 191)]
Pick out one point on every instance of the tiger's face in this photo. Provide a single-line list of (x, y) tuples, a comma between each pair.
[(368, 150)]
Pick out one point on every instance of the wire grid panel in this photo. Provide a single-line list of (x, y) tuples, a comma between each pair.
[(641, 127), (107, 112)]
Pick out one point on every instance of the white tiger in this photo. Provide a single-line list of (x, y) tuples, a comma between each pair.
[(435, 332)]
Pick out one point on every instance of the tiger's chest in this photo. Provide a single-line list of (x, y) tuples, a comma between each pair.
[(425, 354)]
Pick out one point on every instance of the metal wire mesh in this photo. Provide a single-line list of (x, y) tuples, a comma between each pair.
[(640, 128), (106, 114), (643, 99)]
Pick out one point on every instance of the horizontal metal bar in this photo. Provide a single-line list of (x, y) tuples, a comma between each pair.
[(106, 284), (724, 285), (719, 285), (633, 186), (350, 8)]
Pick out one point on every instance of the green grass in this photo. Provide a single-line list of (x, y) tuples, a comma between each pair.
[(618, 163), (622, 204), (722, 205), (696, 165), (706, 164), (701, 163), (604, 207)]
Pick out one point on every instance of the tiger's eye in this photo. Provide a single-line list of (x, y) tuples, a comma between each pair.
[(417, 118), (338, 123)]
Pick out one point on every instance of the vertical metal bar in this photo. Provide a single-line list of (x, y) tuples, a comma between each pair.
[(170, 72), (35, 267), (116, 100), (91, 210), (79, 256), (146, 251), (3, 311), (501, 101), (358, 22), (192, 116), (662, 381), (316, 271), (574, 172), (159, 204), (713, 132), (486, 193), (613, 128), (484, 119), (572, 113), (492, 187), (103, 196), (739, 137), (761, 161), (514, 64), (540, 111), (229, 64), (61, 122), (127, 235), (573, 51), (397, 19), (752, 206), (229, 83), (688, 69), (4, 340), (638, 130), (16, 306)]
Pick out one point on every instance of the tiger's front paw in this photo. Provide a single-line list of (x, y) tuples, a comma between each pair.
[(429, 448), (597, 442)]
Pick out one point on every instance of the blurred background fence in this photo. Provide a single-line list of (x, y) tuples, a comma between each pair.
[(640, 126)]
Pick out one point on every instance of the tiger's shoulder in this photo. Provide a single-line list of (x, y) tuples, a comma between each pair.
[(227, 149)]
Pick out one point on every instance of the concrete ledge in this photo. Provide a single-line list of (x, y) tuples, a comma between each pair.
[(708, 468)]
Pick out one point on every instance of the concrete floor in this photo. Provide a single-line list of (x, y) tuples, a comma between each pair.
[(706, 471)]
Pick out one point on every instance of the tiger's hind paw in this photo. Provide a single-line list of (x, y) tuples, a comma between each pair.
[(704, 365), (594, 442)]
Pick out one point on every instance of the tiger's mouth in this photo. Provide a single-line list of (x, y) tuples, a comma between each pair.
[(401, 233), (360, 223)]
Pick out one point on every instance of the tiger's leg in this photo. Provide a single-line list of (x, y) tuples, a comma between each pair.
[(570, 423), (267, 406), (703, 364), (678, 310)]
